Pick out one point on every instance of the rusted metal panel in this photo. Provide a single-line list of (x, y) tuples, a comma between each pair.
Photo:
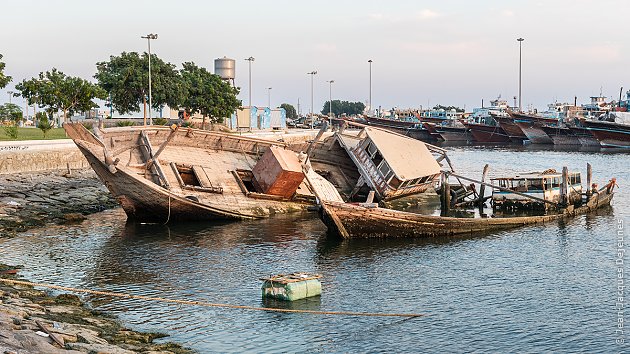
[(278, 172)]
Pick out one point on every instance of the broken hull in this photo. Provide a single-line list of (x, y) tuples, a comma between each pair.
[(146, 200), (352, 221)]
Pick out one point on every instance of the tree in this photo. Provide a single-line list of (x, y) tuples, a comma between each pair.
[(207, 94), (43, 123), (55, 92), (341, 107), (125, 78), (11, 112), (291, 113), (4, 79), (448, 108)]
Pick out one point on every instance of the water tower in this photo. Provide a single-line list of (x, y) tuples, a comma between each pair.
[(225, 68)]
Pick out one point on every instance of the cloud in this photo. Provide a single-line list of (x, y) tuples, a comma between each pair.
[(507, 13), (427, 14)]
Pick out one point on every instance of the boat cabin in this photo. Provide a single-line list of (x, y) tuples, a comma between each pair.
[(541, 185), (391, 165)]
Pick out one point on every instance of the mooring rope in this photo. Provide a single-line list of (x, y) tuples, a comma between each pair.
[(208, 304)]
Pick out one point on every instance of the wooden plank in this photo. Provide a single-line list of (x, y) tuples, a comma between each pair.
[(53, 336)]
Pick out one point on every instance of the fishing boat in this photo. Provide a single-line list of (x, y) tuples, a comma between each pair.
[(409, 126), (614, 132), (531, 126), (452, 131), (512, 129), (562, 135), (369, 221), (487, 134)]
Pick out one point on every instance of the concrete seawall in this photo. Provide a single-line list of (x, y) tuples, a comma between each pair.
[(40, 155)]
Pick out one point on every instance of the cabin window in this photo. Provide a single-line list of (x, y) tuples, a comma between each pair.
[(395, 182), (547, 183), (556, 181), (389, 175), (384, 169), (520, 185), (535, 185)]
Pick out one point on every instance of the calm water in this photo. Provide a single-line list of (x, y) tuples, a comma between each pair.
[(541, 288)]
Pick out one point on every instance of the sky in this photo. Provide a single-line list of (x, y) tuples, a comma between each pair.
[(424, 53)]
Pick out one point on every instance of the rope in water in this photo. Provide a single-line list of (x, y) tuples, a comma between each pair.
[(207, 304)]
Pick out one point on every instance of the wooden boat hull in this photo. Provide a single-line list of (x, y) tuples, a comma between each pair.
[(352, 221), (487, 134), (515, 132), (609, 134), (450, 133), (585, 137), (562, 136), (534, 133), (147, 201)]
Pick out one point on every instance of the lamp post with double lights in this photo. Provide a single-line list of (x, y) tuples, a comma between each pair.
[(149, 37), (250, 60), (330, 98), (312, 73), (520, 50), (370, 96), (269, 97)]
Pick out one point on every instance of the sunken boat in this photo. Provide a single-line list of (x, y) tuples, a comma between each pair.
[(162, 174), (368, 220)]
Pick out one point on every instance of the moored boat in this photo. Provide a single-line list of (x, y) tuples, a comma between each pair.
[(613, 134), (487, 134), (531, 126)]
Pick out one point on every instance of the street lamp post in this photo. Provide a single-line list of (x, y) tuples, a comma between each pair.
[(312, 73), (330, 98), (10, 95), (149, 37), (520, 42), (269, 97), (250, 60), (370, 100)]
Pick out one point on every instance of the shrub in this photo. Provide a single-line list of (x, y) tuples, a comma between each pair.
[(160, 121), (11, 131), (43, 123), (125, 123), (88, 125)]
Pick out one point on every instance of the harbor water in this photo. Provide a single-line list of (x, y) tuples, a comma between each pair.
[(544, 288)]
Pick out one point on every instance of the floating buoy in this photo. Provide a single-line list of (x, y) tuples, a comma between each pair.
[(291, 287)]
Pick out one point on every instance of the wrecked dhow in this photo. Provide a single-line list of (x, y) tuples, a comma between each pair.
[(161, 174)]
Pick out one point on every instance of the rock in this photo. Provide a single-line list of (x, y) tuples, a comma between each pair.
[(97, 348), (73, 218), (64, 309), (68, 299), (89, 338)]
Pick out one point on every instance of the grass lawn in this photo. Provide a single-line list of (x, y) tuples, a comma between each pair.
[(35, 134)]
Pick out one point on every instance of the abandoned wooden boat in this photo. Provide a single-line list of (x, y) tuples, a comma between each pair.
[(194, 175), (203, 175), (369, 221), (536, 190), (487, 134)]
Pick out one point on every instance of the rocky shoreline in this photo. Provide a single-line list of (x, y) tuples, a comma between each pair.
[(24, 310), (37, 199)]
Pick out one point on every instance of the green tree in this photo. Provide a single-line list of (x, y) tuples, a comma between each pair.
[(291, 113), (4, 79), (207, 94), (55, 91), (341, 107), (126, 79), (448, 108), (11, 115), (43, 123), (11, 112)]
